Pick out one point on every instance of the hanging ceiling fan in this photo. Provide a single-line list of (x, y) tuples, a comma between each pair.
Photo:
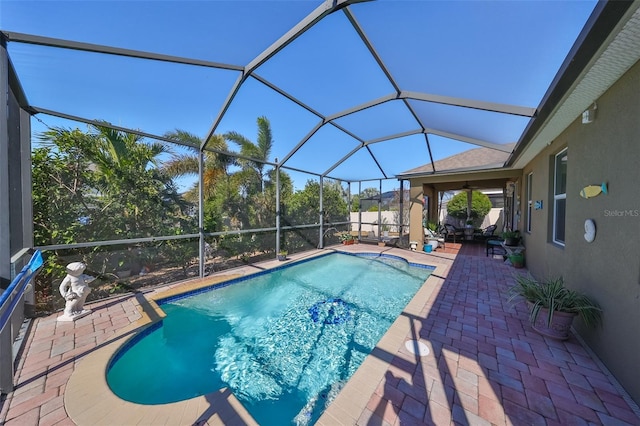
[(467, 186)]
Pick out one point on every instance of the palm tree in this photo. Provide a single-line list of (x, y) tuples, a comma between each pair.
[(215, 164), (116, 151), (257, 153), (129, 180), (115, 179), (221, 197)]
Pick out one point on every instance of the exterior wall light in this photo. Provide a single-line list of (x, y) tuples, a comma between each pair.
[(590, 114)]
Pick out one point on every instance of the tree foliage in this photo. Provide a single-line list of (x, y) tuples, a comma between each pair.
[(304, 205), (255, 154), (103, 184), (480, 205)]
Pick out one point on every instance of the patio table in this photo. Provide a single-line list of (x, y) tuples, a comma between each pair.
[(511, 250)]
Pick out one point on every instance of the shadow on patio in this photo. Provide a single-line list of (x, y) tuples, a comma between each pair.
[(486, 364)]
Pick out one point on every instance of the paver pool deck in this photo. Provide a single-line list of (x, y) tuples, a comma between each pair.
[(485, 366)]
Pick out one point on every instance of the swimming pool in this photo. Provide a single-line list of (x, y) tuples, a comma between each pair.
[(285, 341)]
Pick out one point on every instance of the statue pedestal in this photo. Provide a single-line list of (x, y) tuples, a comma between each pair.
[(74, 316)]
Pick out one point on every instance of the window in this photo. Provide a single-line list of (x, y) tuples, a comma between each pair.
[(529, 200), (559, 197)]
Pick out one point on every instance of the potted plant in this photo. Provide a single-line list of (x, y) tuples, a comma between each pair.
[(282, 255), (347, 238), (511, 238), (517, 260), (384, 226), (432, 236), (552, 306)]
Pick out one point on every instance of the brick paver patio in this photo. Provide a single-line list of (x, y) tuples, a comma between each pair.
[(486, 366)]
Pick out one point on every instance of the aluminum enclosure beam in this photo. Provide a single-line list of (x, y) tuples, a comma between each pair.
[(109, 50), (36, 110), (356, 25), (342, 160), (287, 95), (467, 139), (328, 7), (362, 107), (16, 86), (225, 106), (468, 103), (353, 151), (302, 142), (324, 119), (394, 136), (201, 241), (5, 227)]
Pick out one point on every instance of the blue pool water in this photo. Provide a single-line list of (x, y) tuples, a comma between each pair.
[(284, 342)]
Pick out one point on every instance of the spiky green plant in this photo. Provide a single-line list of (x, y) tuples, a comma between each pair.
[(553, 295)]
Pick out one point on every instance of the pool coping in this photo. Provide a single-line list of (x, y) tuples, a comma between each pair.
[(89, 400)]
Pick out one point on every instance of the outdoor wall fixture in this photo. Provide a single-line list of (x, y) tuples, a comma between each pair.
[(589, 230), (537, 205), (590, 114)]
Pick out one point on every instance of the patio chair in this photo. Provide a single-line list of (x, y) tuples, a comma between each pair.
[(451, 232), (486, 233), (494, 245)]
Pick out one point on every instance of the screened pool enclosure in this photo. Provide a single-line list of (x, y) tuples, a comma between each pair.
[(162, 141)]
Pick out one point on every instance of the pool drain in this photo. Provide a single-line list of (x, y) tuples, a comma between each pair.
[(330, 311), (416, 347)]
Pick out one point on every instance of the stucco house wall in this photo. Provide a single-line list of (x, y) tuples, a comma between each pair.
[(608, 269)]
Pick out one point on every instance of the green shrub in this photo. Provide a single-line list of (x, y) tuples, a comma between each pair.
[(480, 205)]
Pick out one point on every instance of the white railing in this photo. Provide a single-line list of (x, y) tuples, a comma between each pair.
[(12, 314)]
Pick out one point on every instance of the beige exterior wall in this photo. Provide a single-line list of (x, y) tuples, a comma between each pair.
[(608, 269)]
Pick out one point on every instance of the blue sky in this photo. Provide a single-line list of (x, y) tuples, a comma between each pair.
[(494, 51)]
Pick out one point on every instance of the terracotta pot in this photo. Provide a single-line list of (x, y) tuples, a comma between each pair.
[(560, 325)]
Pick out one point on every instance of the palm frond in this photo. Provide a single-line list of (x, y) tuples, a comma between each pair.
[(189, 140), (113, 142), (247, 147), (182, 165), (265, 139), (218, 143)]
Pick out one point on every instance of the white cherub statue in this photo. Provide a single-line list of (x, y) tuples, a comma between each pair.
[(75, 289)]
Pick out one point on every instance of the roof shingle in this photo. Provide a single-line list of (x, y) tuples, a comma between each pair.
[(477, 158)]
